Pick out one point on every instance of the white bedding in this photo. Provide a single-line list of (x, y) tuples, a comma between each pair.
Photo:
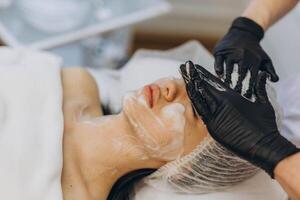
[(31, 125)]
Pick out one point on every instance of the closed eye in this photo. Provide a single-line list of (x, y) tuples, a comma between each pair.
[(194, 111)]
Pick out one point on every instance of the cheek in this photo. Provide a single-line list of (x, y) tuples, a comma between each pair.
[(195, 133), (173, 116), (162, 134), (139, 114)]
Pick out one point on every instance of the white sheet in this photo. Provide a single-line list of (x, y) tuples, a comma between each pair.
[(31, 125)]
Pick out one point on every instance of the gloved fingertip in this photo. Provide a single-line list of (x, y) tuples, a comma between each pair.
[(248, 94), (218, 65), (272, 72), (274, 78), (191, 71), (182, 67), (189, 63), (183, 73)]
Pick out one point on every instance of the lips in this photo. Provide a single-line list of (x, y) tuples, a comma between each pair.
[(147, 90), (152, 93)]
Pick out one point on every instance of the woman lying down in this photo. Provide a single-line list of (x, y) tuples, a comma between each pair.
[(157, 129), (103, 156)]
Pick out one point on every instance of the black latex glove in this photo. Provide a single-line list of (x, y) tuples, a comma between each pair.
[(241, 46), (246, 128)]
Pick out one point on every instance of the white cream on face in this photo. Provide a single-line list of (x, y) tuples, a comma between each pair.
[(162, 134), (175, 113)]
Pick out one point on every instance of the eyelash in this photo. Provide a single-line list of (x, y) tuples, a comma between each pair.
[(194, 112)]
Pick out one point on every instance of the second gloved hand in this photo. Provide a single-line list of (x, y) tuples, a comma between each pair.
[(246, 128), (241, 46)]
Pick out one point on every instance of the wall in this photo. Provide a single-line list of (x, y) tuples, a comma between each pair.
[(196, 18)]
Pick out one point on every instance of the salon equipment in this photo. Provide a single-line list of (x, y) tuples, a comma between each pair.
[(66, 27), (15, 31), (5, 3), (106, 51), (52, 16), (241, 46)]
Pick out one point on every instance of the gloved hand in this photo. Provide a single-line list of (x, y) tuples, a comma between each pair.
[(246, 128), (241, 46)]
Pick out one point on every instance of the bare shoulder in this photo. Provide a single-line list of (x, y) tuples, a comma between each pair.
[(80, 91), (76, 73)]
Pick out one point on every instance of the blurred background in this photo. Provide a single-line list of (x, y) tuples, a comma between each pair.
[(105, 33), (202, 20)]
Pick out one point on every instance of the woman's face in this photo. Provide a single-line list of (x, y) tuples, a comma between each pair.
[(163, 119)]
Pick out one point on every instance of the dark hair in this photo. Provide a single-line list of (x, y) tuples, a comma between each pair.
[(124, 186)]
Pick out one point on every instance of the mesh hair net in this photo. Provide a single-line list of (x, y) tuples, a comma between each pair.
[(209, 167)]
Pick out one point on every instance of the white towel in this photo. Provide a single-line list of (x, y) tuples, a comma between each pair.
[(31, 125)]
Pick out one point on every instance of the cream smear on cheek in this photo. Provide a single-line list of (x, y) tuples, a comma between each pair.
[(175, 113), (161, 134)]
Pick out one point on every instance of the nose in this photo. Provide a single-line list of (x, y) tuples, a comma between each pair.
[(169, 89)]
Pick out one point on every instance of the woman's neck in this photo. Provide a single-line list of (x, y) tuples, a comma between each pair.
[(98, 152)]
